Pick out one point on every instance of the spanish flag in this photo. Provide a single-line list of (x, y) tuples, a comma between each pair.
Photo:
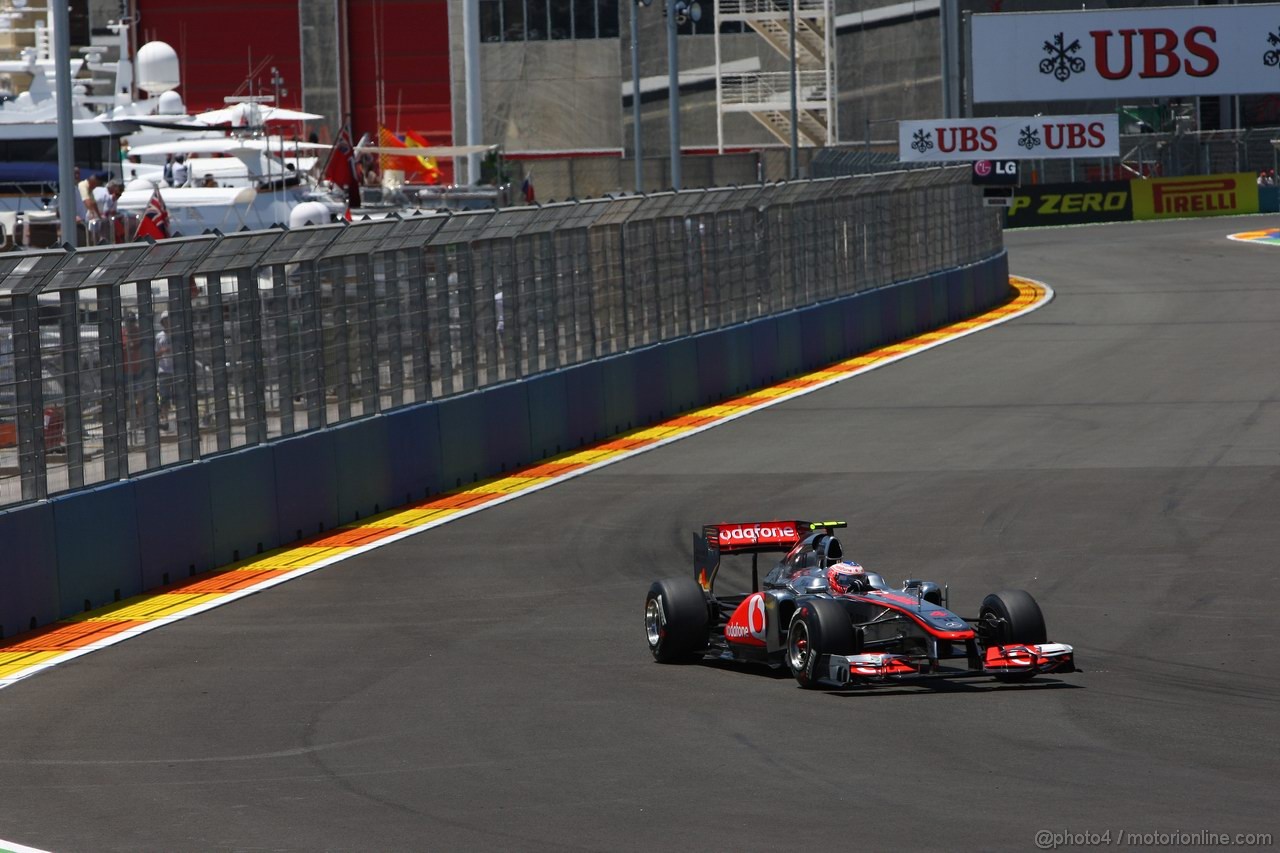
[(430, 168), (417, 170)]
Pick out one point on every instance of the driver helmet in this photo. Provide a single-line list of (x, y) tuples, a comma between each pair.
[(847, 578)]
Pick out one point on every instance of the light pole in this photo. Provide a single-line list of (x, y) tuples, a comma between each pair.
[(66, 129), (471, 74), (635, 87), (795, 112), (678, 11)]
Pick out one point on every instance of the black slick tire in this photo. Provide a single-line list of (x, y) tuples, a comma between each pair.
[(1012, 617), (819, 627), (676, 620)]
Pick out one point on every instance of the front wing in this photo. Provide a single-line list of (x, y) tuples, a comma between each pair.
[(1010, 661)]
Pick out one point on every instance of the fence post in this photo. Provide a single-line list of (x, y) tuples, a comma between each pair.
[(182, 343), (29, 394)]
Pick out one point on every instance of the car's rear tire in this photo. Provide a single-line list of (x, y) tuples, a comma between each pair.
[(676, 620), (820, 626), (1012, 617)]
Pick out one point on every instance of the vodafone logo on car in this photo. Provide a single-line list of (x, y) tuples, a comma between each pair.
[(746, 533), (749, 622)]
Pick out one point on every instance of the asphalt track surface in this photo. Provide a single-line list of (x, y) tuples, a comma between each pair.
[(486, 685)]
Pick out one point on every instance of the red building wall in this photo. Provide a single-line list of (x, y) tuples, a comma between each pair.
[(219, 44), (398, 53), (397, 56)]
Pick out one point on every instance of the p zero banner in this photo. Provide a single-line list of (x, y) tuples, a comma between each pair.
[(1070, 204), (1039, 137), (1126, 53), (1206, 195)]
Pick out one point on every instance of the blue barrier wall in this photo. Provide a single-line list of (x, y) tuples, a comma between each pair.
[(28, 569), (89, 548), (96, 537), (175, 524)]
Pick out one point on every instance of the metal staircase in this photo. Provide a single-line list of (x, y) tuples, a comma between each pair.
[(766, 95)]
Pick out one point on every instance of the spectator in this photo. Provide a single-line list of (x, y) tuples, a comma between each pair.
[(107, 197), (86, 188), (208, 181), (107, 228), (180, 173), (81, 211), (164, 370), (168, 169), (134, 368)]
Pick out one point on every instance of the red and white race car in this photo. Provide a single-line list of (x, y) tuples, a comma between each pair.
[(832, 622)]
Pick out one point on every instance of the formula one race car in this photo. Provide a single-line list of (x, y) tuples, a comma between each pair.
[(832, 622)]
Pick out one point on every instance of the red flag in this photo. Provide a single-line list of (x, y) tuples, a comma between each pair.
[(340, 170), (154, 222)]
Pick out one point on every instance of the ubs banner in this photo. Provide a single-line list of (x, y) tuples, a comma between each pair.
[(1126, 53), (1206, 195), (1038, 137), (1070, 204)]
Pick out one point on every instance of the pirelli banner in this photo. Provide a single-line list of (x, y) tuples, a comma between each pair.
[(1121, 201), (1206, 195)]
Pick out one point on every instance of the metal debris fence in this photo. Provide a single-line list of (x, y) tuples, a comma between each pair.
[(120, 360)]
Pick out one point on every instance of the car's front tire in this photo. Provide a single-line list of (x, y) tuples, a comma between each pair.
[(820, 626), (676, 620), (1012, 617)]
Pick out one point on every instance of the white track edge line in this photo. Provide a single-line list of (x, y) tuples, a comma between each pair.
[(1249, 240), (10, 847), (284, 576)]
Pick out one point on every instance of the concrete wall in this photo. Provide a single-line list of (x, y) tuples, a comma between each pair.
[(321, 83), (888, 73), (89, 548)]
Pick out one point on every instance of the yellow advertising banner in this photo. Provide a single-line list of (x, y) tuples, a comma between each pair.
[(1204, 195)]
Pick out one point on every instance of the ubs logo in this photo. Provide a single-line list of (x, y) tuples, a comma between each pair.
[(1272, 57), (1062, 61)]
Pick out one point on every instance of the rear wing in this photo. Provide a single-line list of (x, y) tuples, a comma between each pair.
[(753, 537)]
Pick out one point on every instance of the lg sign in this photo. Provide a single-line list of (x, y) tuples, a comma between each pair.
[(996, 172), (1117, 53)]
